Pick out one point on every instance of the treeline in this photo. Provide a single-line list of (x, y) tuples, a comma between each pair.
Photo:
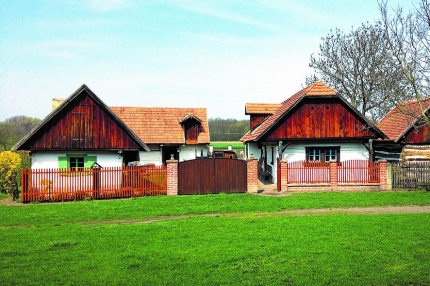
[(14, 128), (227, 129)]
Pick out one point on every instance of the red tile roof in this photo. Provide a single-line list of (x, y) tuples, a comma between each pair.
[(156, 125), (260, 108), (316, 89), (402, 117)]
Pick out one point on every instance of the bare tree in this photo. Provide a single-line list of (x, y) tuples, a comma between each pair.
[(358, 66), (408, 39)]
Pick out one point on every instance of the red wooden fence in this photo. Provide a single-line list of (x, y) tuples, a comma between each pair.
[(358, 171), (352, 171), (105, 183), (308, 172)]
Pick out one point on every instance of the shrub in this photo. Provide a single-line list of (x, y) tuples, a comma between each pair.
[(9, 168)]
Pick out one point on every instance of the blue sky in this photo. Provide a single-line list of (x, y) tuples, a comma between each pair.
[(214, 54)]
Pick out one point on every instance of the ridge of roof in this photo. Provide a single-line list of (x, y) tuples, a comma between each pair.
[(319, 88)]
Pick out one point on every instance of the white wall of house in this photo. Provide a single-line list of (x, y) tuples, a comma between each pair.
[(190, 152), (252, 150), (152, 157), (49, 159), (297, 152), (348, 151)]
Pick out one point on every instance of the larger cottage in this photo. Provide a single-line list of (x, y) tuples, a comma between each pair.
[(83, 131), (315, 124)]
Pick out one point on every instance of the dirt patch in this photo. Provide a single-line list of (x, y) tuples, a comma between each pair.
[(10, 202), (413, 209), (306, 212)]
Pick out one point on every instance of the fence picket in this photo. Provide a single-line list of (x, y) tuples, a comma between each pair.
[(64, 184)]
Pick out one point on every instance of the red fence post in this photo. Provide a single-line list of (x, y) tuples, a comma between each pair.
[(384, 178), (333, 175), (172, 177), (284, 176), (252, 175)]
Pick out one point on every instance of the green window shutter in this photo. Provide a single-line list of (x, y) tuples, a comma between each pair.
[(89, 161), (62, 163)]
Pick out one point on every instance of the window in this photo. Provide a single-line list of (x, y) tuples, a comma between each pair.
[(323, 154), (76, 162), (313, 155)]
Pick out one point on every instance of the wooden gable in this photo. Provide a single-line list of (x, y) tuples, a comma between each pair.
[(192, 130), (83, 122), (320, 118), (420, 135)]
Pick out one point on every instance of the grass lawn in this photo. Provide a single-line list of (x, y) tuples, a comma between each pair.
[(243, 242), (223, 145)]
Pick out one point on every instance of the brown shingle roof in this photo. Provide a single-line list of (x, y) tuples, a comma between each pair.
[(402, 117), (260, 108), (156, 125)]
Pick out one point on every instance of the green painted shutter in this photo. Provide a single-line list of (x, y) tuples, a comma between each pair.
[(89, 161), (62, 163)]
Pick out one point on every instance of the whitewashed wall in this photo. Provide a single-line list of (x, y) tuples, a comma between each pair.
[(348, 151), (48, 160), (252, 149), (189, 152), (153, 157)]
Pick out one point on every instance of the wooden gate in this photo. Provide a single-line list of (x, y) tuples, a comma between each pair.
[(212, 176)]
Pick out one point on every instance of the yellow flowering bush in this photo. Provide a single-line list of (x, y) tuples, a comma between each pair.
[(10, 163)]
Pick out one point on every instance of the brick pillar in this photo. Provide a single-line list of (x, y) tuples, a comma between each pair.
[(284, 175), (333, 175), (252, 175), (384, 175), (172, 177)]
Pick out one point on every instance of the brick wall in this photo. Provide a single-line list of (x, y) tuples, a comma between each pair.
[(172, 177), (252, 175)]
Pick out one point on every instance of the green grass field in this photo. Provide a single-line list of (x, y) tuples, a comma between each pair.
[(237, 239)]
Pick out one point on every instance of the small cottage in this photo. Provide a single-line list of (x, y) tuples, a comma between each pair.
[(408, 135)]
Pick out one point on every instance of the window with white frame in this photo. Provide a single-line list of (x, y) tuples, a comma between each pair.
[(323, 154)]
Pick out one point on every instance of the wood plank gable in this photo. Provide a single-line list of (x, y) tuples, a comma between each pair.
[(82, 122), (419, 135), (321, 118)]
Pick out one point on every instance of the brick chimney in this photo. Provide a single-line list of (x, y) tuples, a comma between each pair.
[(56, 102)]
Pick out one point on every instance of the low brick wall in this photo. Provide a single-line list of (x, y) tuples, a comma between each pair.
[(333, 184)]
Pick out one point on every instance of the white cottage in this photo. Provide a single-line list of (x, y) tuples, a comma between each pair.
[(315, 124), (82, 131)]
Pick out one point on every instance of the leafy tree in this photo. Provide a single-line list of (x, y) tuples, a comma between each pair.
[(358, 66), (14, 128), (408, 38)]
